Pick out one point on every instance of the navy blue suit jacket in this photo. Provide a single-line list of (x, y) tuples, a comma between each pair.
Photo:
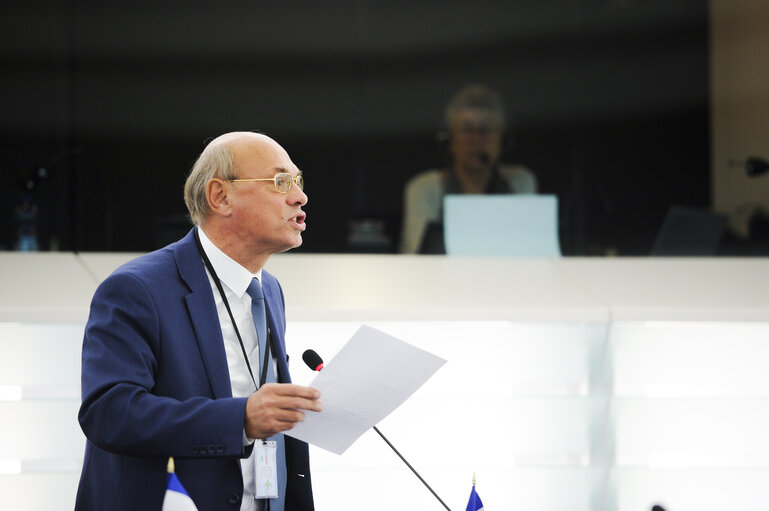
[(155, 384)]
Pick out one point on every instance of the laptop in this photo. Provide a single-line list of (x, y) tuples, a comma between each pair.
[(501, 225), (689, 232)]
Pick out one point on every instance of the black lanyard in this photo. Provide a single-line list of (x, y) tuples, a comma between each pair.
[(207, 263)]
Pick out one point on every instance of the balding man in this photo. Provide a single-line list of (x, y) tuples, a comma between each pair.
[(172, 363)]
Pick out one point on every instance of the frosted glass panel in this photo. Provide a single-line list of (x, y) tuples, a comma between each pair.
[(40, 429), (39, 492), (516, 402), (550, 415), (700, 490), (526, 488), (692, 432), (505, 358), (41, 444), (42, 359), (687, 359)]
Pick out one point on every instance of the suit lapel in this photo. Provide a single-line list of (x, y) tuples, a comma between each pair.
[(203, 315)]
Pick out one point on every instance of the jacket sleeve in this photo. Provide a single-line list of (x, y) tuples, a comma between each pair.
[(128, 407)]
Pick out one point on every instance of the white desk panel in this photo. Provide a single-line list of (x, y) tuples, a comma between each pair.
[(400, 287), (680, 289), (100, 265), (57, 287), (429, 288), (44, 288), (560, 414), (381, 287)]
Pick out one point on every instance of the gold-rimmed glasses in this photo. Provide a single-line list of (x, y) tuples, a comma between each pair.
[(281, 180)]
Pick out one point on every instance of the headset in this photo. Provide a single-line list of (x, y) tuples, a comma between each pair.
[(469, 97)]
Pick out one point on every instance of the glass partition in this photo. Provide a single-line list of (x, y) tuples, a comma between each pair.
[(548, 415)]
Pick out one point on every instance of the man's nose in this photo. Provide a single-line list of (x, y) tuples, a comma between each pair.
[(297, 196)]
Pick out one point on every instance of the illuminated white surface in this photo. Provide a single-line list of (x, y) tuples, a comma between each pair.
[(676, 289), (10, 466), (664, 359), (58, 287), (552, 413), (100, 265), (694, 489), (424, 288), (524, 432), (39, 491), (41, 430), (37, 356), (675, 433), (10, 392), (43, 288)]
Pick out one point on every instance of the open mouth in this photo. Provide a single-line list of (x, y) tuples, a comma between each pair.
[(298, 219)]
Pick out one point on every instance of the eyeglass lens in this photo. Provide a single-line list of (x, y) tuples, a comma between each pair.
[(283, 182)]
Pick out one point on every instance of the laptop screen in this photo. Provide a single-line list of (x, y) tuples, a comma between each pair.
[(501, 225)]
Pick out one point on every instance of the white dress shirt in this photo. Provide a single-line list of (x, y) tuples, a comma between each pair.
[(235, 280)]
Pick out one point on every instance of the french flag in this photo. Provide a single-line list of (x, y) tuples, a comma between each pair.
[(176, 498), (474, 504)]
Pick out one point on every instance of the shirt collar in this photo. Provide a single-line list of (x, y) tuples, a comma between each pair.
[(230, 272)]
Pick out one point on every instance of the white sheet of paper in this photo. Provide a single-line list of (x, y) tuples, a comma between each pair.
[(369, 378), (501, 225)]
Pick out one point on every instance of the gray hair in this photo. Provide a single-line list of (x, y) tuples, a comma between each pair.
[(475, 97), (216, 161)]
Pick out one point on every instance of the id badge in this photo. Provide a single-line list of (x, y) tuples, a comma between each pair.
[(266, 471)]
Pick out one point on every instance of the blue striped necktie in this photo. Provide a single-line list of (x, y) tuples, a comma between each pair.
[(260, 321)]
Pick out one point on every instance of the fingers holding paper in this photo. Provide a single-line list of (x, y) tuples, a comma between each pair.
[(278, 407)]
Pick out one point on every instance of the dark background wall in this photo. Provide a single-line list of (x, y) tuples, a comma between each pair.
[(115, 100)]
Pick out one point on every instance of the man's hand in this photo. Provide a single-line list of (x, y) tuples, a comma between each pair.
[(277, 407)]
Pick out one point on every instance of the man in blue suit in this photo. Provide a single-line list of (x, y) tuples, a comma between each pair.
[(171, 364)]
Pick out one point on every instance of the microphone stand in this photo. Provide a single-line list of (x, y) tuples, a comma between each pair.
[(315, 363), (412, 468)]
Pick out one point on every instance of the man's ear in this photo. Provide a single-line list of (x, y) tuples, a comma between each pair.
[(218, 197)]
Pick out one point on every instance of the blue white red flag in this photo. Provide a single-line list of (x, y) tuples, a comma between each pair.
[(474, 504), (176, 498)]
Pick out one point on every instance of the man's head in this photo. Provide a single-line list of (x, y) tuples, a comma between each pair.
[(232, 194), (475, 119)]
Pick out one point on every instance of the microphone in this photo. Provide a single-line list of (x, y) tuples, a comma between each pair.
[(753, 165), (314, 362), (756, 166)]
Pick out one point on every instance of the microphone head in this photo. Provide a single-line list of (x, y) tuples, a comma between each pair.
[(756, 166), (312, 360)]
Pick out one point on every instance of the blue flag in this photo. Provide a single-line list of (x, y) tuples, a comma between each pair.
[(474, 504)]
